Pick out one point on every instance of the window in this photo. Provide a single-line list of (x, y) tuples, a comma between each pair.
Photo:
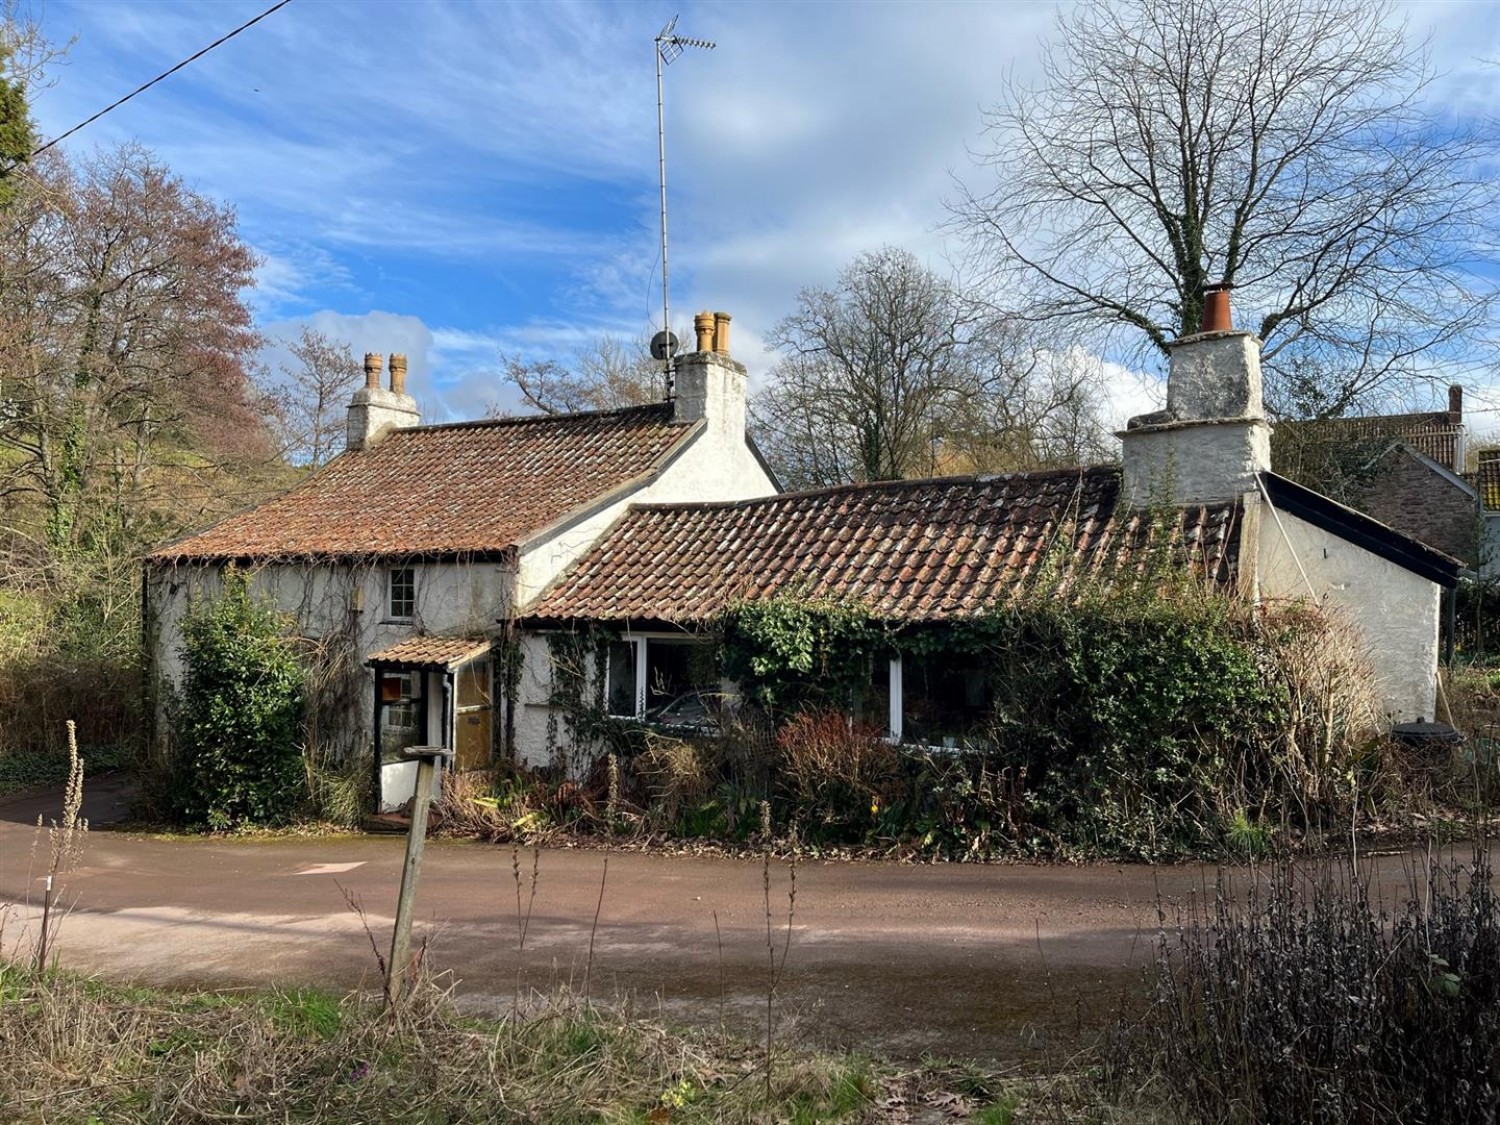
[(403, 717), (621, 683), (643, 674), (946, 700), (401, 601)]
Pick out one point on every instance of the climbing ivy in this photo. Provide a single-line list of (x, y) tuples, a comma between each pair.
[(792, 653)]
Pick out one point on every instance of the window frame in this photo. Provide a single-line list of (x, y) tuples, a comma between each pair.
[(409, 596)]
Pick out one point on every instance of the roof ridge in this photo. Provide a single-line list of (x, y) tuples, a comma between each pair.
[(1079, 471), (533, 419)]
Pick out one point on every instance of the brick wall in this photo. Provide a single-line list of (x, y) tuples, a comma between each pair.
[(1410, 497)]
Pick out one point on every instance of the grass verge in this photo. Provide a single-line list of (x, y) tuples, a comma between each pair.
[(73, 1049)]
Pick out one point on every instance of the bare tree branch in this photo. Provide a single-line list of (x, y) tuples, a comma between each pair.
[(1280, 146)]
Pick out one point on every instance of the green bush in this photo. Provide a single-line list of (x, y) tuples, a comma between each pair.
[(238, 722), (1148, 721)]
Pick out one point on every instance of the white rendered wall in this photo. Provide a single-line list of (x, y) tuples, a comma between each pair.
[(1194, 462), (1397, 611), (452, 599)]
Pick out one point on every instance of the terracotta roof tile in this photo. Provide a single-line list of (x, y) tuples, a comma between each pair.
[(432, 652), (1487, 480), (469, 488), (912, 550)]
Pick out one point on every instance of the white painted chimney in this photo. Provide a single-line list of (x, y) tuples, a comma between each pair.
[(1212, 439), (709, 384), (375, 411)]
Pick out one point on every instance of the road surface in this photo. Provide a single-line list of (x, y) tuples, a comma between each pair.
[(994, 963)]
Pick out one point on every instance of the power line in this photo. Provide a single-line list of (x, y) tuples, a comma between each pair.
[(164, 74)]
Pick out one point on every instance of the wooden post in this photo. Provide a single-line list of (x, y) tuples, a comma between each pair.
[(426, 758)]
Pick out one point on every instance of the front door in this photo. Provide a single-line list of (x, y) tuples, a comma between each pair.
[(471, 741)]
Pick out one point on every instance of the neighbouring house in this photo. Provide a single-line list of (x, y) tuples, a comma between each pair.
[(1486, 481), (404, 559), (450, 564), (1406, 470), (919, 553)]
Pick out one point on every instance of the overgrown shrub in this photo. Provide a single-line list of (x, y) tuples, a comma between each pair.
[(1304, 1000), (238, 721), (836, 771), (1144, 720)]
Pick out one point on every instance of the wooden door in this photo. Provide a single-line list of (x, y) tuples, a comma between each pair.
[(472, 716)]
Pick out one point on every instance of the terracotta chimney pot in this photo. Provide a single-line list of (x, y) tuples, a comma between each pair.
[(721, 333), (398, 373), (1216, 313), (373, 363), (703, 325)]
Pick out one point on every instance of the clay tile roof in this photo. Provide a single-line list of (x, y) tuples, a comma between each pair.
[(1487, 480), (1432, 433), (912, 550), (464, 489), (432, 652)]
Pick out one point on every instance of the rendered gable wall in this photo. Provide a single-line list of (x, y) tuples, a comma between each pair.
[(1396, 611)]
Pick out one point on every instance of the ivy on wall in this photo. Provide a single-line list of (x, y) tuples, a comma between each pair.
[(239, 721)]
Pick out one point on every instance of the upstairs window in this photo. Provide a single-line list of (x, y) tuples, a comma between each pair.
[(402, 593)]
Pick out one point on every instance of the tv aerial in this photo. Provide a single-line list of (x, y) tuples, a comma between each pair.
[(669, 46)]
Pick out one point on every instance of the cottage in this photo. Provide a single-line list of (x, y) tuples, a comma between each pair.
[(1405, 470), (406, 556), (924, 552), (421, 546)]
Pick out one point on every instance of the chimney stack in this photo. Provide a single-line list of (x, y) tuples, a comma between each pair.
[(711, 385), (374, 411), (1455, 404), (1212, 440)]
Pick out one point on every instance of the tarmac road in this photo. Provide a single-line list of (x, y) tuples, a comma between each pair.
[(995, 963)]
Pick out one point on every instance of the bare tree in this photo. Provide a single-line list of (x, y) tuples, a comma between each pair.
[(309, 397), (867, 370), (605, 374), (1278, 146), (896, 372)]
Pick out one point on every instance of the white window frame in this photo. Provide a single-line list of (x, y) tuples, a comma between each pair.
[(390, 593), (897, 711), (638, 645)]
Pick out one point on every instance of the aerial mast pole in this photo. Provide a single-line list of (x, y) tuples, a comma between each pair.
[(668, 46)]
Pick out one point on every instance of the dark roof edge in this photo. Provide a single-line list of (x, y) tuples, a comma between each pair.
[(760, 459), (1361, 530), (345, 558), (534, 419), (1078, 473)]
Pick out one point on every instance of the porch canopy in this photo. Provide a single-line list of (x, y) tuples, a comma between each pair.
[(430, 654), (433, 691)]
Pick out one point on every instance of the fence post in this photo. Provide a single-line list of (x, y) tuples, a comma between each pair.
[(427, 758)]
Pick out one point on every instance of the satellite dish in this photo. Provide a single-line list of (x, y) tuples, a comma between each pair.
[(663, 345)]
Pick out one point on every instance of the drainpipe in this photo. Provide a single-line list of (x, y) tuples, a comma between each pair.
[(375, 726)]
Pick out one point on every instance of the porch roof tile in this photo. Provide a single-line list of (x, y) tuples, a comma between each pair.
[(432, 652), (471, 488), (909, 550)]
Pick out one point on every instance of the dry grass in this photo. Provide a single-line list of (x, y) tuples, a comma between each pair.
[(75, 1050)]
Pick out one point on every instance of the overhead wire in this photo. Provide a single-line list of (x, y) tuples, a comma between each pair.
[(164, 74)]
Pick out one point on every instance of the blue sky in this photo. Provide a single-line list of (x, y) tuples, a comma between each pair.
[(456, 179)]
